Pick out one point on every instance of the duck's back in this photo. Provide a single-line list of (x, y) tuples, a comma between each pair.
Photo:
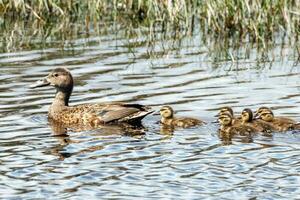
[(283, 124), (94, 114), (265, 126), (243, 130), (285, 120), (186, 122), (255, 126)]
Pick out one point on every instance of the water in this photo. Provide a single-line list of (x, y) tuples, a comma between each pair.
[(184, 164)]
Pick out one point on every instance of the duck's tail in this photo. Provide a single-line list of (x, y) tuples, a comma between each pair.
[(137, 117)]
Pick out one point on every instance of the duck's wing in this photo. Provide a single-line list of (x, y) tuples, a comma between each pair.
[(187, 122), (266, 126), (123, 112), (287, 120)]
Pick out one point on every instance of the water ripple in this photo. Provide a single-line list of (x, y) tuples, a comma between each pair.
[(111, 163)]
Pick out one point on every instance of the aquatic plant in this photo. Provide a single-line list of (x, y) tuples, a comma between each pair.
[(231, 20)]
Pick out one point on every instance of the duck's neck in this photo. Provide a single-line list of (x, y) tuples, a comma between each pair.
[(61, 98), (166, 121), (226, 126)]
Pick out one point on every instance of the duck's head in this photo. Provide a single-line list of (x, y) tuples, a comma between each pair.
[(265, 114), (247, 115), (60, 78), (225, 110), (261, 110), (225, 119), (166, 112)]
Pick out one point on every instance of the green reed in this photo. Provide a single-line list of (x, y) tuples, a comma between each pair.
[(231, 20)]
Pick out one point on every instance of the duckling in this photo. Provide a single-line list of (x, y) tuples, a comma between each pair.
[(167, 118), (279, 124), (258, 124), (86, 114), (228, 110), (267, 109), (229, 129)]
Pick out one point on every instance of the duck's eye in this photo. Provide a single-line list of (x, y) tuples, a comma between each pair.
[(55, 75)]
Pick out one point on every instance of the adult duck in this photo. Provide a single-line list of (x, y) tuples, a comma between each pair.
[(86, 114)]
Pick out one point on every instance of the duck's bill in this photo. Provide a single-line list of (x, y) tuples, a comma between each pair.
[(215, 121), (256, 117), (156, 113), (40, 83)]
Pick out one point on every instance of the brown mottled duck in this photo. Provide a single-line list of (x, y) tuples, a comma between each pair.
[(168, 118), (279, 123), (229, 129), (228, 110), (86, 114), (247, 118)]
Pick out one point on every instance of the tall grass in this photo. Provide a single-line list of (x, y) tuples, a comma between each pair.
[(235, 20), (254, 18)]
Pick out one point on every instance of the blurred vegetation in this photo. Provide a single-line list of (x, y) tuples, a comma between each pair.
[(230, 21)]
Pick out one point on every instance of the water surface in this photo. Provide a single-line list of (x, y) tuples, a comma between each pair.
[(184, 164)]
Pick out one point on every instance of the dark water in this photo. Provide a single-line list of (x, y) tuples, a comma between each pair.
[(186, 164)]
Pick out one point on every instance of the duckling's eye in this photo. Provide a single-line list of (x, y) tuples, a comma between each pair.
[(55, 75)]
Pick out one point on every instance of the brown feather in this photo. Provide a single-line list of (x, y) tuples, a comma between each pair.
[(86, 114)]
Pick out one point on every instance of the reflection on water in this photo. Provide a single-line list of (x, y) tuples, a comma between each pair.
[(41, 159)]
